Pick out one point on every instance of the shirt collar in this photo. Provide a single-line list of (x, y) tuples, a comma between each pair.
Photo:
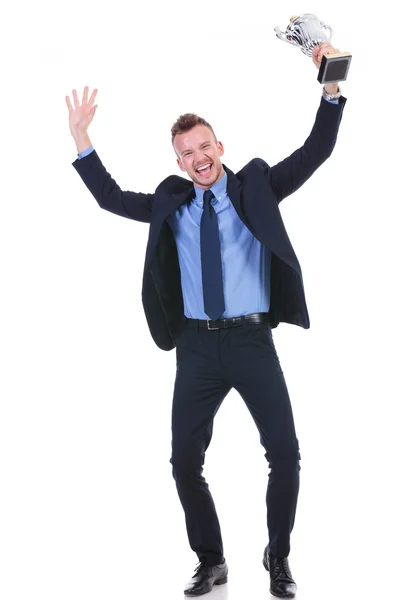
[(218, 189)]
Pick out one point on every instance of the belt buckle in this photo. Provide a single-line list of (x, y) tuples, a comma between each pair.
[(211, 328)]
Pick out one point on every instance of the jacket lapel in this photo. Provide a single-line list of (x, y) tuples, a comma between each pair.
[(234, 189), (182, 190)]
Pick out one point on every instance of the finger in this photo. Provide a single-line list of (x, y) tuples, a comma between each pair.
[(329, 49), (76, 101), (322, 47), (92, 112), (318, 48), (328, 53), (93, 96), (85, 94), (69, 104), (325, 50)]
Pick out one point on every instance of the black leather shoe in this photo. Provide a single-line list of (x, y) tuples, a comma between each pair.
[(282, 583), (206, 577)]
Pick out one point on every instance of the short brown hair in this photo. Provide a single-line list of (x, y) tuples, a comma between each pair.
[(186, 122)]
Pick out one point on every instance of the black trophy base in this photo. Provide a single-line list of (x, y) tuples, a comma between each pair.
[(334, 67)]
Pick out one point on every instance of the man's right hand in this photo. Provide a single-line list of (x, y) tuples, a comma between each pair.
[(80, 117)]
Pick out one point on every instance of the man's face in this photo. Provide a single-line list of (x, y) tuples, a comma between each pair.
[(197, 148)]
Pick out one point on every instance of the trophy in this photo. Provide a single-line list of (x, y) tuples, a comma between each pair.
[(307, 31)]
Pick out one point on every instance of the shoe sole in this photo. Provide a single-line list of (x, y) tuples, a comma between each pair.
[(218, 582)]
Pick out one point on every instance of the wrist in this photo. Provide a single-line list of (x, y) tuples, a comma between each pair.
[(82, 141), (331, 88), (331, 97)]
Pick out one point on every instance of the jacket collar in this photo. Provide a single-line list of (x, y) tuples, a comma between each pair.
[(183, 190)]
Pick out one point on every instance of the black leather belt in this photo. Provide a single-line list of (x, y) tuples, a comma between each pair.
[(231, 322)]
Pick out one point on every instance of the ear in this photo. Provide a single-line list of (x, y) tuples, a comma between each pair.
[(221, 149), (180, 165)]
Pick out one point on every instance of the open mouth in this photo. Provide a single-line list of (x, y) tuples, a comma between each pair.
[(205, 170)]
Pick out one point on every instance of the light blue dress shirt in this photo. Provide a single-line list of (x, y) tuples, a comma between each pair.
[(246, 263)]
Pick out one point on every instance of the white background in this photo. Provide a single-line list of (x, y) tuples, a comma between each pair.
[(88, 505)]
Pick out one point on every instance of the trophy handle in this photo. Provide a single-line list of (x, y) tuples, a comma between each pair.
[(283, 36)]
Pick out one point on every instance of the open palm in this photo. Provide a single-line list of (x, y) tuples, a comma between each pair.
[(81, 116)]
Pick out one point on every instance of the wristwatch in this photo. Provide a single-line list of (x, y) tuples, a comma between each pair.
[(331, 96)]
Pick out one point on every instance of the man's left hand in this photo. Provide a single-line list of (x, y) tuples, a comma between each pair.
[(318, 53)]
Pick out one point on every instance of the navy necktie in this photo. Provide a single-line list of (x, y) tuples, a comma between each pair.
[(211, 264)]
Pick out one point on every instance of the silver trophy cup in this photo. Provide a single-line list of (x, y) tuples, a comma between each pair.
[(307, 31)]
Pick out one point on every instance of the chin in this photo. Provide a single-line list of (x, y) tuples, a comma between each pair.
[(210, 180)]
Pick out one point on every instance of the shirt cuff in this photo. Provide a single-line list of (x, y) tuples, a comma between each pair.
[(332, 101), (85, 152)]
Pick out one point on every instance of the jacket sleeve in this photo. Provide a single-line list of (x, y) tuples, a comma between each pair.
[(108, 194), (288, 175)]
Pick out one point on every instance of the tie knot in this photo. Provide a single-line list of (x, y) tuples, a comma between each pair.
[(208, 196)]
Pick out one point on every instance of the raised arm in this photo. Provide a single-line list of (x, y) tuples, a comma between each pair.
[(103, 187), (289, 174)]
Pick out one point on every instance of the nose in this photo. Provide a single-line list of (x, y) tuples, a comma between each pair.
[(200, 158)]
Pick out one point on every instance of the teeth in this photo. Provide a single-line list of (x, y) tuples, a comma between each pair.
[(203, 168)]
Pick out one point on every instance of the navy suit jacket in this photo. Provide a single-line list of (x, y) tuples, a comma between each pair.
[(255, 192)]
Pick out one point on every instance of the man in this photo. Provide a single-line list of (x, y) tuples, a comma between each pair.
[(219, 274)]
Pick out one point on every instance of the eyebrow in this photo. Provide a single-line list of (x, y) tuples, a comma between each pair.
[(203, 144)]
